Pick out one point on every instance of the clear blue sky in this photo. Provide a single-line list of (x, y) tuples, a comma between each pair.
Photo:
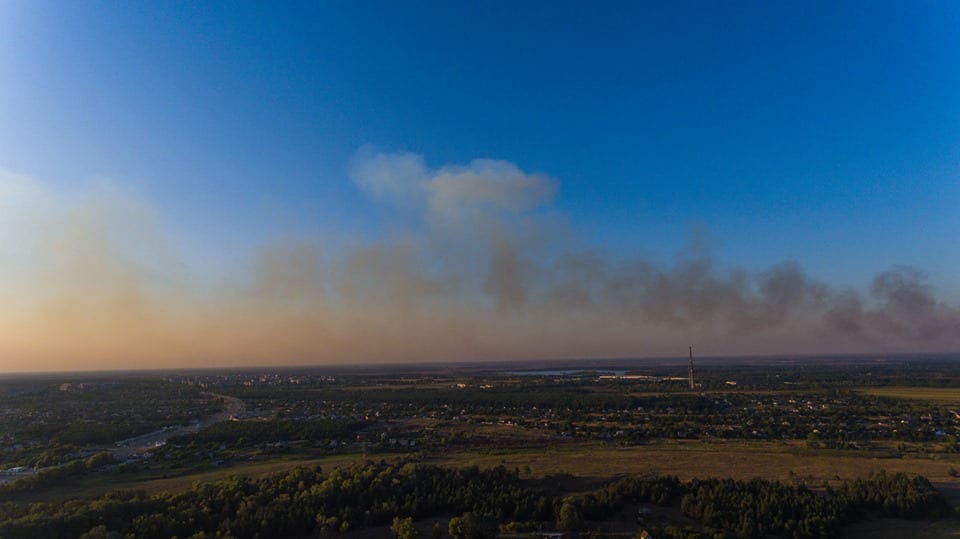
[(822, 132)]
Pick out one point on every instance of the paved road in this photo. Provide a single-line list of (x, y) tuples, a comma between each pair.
[(8, 477), (149, 441), (146, 442)]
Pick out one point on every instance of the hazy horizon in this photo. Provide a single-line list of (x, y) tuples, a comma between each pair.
[(238, 185), (472, 367)]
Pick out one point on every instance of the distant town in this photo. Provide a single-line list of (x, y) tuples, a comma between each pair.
[(563, 432)]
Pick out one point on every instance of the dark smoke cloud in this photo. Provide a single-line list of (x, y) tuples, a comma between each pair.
[(551, 274), (906, 308), (482, 267)]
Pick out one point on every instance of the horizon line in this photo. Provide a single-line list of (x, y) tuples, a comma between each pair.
[(875, 356)]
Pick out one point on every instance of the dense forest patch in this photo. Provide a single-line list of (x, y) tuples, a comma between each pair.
[(307, 501)]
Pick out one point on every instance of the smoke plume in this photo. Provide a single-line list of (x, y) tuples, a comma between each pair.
[(481, 266)]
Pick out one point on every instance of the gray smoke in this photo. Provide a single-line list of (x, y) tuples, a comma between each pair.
[(532, 265), (479, 267)]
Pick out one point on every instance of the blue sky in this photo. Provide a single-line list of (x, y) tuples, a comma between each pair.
[(813, 132)]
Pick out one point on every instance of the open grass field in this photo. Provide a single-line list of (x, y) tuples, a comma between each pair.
[(739, 460), (253, 469), (939, 395), (587, 465), (590, 465), (582, 466), (153, 482)]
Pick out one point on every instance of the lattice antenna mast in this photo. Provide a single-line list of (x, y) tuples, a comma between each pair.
[(690, 370)]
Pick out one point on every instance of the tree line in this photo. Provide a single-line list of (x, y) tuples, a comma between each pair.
[(307, 501)]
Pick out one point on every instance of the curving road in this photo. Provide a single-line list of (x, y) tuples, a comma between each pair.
[(146, 442)]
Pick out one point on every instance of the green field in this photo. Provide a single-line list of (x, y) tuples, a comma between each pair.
[(153, 481), (588, 464), (580, 467), (940, 395), (738, 460)]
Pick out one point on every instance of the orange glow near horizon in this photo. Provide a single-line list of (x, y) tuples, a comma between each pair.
[(94, 282)]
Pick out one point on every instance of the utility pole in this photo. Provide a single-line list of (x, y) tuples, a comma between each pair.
[(690, 370)]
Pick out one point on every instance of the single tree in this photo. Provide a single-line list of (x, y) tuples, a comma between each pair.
[(403, 528)]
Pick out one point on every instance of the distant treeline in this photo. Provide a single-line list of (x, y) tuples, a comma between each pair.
[(306, 501), (244, 433), (44, 420), (54, 475), (759, 508), (495, 398)]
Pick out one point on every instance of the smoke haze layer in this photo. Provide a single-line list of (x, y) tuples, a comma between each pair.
[(479, 266)]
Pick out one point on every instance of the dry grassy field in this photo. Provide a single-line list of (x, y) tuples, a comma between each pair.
[(939, 395), (739, 460), (153, 483), (253, 469), (591, 465)]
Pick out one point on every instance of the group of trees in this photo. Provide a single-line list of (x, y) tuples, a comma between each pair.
[(45, 420), (247, 433), (50, 426), (55, 474), (298, 502), (574, 407), (758, 508), (306, 501), (835, 415)]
